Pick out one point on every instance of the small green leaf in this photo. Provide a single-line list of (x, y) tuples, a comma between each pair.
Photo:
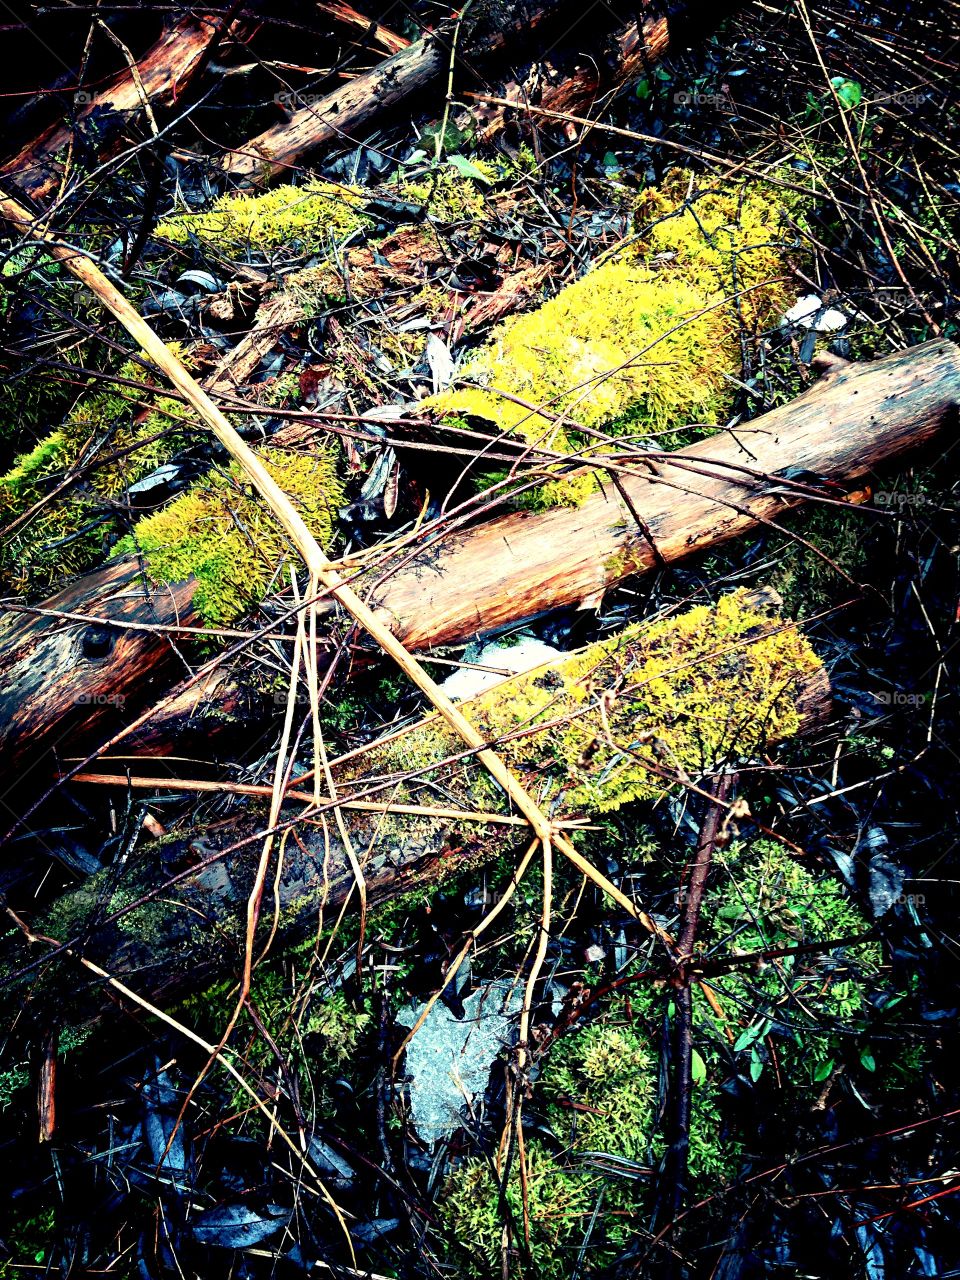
[(746, 1038), (850, 92), (644, 89), (467, 169), (867, 1060), (756, 1065), (823, 1069), (698, 1068)]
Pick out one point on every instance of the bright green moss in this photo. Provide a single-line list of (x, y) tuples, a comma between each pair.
[(599, 1085), (71, 531), (223, 534), (642, 342), (685, 692), (556, 1204), (816, 1003), (307, 218)]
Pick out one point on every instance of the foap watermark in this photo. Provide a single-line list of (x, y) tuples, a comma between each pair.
[(294, 100), (694, 98), (905, 98), (82, 98), (117, 700), (900, 698), (889, 498)]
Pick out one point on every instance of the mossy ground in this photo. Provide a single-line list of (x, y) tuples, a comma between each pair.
[(599, 1093), (72, 530), (642, 344)]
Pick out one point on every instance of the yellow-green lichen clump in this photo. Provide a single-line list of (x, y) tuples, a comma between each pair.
[(610, 724), (645, 341), (223, 534)]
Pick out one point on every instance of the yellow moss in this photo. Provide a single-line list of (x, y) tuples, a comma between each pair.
[(683, 693), (70, 532), (642, 342), (308, 217), (223, 534)]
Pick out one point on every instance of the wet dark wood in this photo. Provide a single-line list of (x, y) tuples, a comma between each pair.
[(164, 71)]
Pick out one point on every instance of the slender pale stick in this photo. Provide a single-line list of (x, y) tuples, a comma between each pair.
[(316, 561)]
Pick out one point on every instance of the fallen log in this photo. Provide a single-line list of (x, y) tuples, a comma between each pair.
[(619, 60), (63, 676), (620, 721), (338, 115), (161, 76)]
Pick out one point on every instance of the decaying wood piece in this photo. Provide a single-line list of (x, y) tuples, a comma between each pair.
[(339, 115), (364, 28), (625, 56), (54, 684), (162, 75), (590, 731)]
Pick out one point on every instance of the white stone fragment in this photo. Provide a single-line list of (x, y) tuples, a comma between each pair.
[(449, 1059), (803, 311), (832, 321), (507, 659)]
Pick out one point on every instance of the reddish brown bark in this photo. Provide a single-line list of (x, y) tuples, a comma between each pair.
[(163, 73)]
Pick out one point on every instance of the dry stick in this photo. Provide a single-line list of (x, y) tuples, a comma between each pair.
[(138, 782), (316, 561), (675, 1165)]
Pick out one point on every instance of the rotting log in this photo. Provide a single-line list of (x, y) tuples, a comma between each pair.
[(490, 29), (617, 722), (162, 74), (57, 682)]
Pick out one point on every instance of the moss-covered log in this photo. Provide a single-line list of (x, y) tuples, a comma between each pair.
[(613, 723), (63, 677)]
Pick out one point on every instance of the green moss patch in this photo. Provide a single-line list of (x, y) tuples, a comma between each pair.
[(223, 534), (642, 343)]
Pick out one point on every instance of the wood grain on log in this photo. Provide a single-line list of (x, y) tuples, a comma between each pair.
[(509, 569)]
